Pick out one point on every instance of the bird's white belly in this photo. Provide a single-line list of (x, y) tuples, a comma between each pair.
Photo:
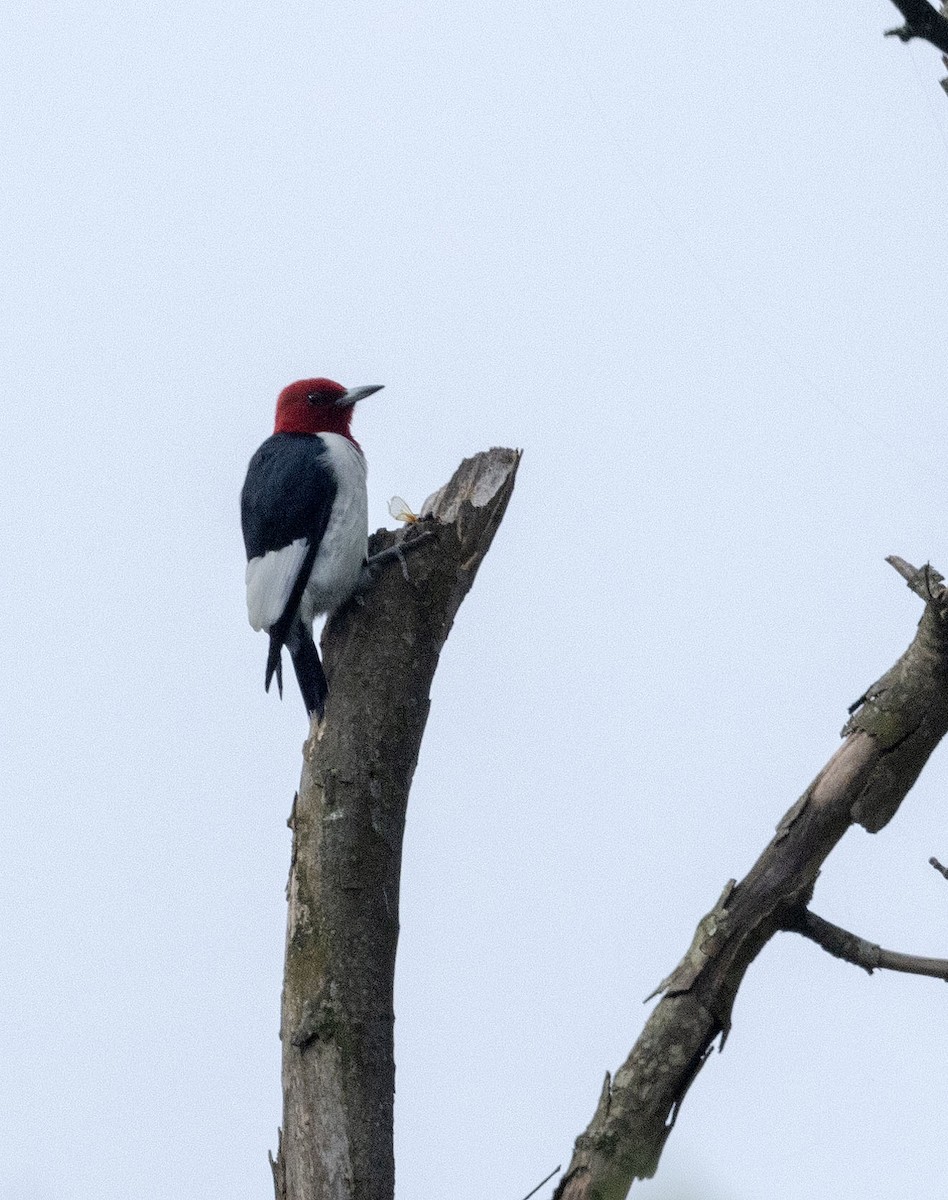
[(338, 564)]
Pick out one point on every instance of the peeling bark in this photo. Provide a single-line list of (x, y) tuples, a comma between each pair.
[(380, 655), (899, 721)]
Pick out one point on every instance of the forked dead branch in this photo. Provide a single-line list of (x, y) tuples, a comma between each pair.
[(891, 731)]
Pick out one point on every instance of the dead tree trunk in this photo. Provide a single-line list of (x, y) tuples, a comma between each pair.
[(892, 731), (348, 819)]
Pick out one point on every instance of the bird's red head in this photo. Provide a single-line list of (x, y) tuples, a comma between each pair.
[(318, 406)]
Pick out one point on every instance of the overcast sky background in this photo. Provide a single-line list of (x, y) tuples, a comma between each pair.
[(697, 272)]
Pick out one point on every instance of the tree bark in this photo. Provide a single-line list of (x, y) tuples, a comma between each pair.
[(380, 654), (888, 740)]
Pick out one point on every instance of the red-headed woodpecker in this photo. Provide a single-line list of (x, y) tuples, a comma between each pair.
[(305, 520)]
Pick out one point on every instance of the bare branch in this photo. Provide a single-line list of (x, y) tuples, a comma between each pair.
[(944, 59), (899, 721), (856, 950), (534, 1191), (924, 581), (380, 655), (921, 21)]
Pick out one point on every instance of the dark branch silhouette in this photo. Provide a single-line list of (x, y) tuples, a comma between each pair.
[(921, 21)]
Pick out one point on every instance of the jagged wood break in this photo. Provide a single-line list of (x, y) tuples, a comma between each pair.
[(380, 654), (891, 732)]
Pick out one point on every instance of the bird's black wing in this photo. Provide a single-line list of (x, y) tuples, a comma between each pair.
[(288, 493), (285, 506)]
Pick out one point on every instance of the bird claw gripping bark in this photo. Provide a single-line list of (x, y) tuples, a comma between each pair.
[(375, 564)]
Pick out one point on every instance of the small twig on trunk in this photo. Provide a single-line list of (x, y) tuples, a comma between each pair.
[(856, 950), (542, 1182), (938, 867), (924, 581)]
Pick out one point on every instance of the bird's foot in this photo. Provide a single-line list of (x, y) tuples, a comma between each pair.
[(377, 562), (904, 33)]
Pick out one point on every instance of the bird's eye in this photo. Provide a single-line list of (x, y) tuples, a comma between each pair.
[(312, 397)]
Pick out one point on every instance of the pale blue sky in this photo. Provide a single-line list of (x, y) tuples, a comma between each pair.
[(697, 273)]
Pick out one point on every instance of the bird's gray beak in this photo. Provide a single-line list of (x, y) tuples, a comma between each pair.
[(354, 395)]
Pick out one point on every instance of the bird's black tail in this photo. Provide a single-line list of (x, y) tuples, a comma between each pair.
[(275, 663), (289, 631), (309, 670)]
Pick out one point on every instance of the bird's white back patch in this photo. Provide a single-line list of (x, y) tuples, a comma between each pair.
[(270, 580), (341, 554)]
